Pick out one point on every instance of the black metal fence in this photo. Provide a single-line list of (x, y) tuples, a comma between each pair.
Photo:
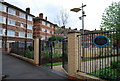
[(50, 53), (25, 49), (103, 62), (65, 54)]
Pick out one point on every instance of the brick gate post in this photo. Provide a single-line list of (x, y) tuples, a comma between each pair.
[(36, 51), (72, 53)]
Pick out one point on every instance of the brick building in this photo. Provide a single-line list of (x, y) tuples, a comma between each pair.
[(15, 24), (43, 28), (63, 31), (88, 37)]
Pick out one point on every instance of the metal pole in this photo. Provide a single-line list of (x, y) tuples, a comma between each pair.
[(82, 31)]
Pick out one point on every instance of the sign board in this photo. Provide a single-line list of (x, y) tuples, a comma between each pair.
[(101, 41)]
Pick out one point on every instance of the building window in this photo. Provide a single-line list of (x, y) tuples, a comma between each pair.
[(1, 31), (2, 7), (42, 37), (0, 43), (29, 35), (22, 15), (52, 32), (11, 22), (48, 24), (21, 34), (43, 30), (29, 26), (10, 33), (48, 31), (2, 19), (30, 18), (22, 25), (11, 11), (43, 22), (52, 26)]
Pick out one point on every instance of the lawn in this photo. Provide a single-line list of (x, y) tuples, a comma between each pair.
[(84, 60), (54, 64)]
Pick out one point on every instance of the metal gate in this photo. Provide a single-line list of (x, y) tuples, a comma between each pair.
[(103, 62), (50, 53), (65, 54)]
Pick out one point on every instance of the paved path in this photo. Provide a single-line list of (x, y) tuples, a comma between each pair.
[(18, 69)]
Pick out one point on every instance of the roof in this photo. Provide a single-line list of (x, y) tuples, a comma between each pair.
[(38, 18), (12, 6)]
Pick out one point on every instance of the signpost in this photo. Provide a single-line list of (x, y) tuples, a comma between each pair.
[(101, 41)]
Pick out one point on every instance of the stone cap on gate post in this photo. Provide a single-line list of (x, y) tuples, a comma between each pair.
[(72, 52)]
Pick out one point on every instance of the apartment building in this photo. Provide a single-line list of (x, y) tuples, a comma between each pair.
[(63, 31), (15, 24), (43, 28)]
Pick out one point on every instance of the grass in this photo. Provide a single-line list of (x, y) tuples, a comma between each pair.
[(109, 72), (84, 60), (54, 64)]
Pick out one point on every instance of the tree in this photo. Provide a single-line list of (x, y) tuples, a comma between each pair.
[(111, 18), (55, 38), (62, 18)]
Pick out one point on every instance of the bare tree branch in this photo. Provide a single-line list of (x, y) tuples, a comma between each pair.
[(62, 18)]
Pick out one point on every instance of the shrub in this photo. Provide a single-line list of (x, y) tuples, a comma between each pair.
[(29, 54), (112, 72)]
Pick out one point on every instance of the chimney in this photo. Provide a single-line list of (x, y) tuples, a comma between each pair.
[(28, 10), (41, 15), (63, 27), (46, 18), (70, 28)]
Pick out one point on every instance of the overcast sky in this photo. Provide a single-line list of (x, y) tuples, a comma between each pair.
[(51, 8)]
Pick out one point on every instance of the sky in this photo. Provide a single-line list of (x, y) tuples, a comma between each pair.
[(51, 8)]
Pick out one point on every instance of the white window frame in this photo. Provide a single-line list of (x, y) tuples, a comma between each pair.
[(29, 35), (30, 18), (22, 24), (48, 31), (11, 33), (52, 26), (43, 29), (22, 15), (43, 23), (11, 22), (0, 43), (2, 19), (11, 11), (42, 37), (52, 32), (22, 34), (1, 31), (29, 26), (48, 24), (2, 8)]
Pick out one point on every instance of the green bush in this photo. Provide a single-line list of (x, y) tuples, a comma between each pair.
[(115, 65), (29, 54), (46, 54), (110, 73), (31, 48), (107, 74), (55, 54)]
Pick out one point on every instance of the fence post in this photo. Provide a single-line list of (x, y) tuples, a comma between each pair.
[(72, 53), (36, 51)]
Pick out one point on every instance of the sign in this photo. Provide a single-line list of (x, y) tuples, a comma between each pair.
[(101, 41)]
